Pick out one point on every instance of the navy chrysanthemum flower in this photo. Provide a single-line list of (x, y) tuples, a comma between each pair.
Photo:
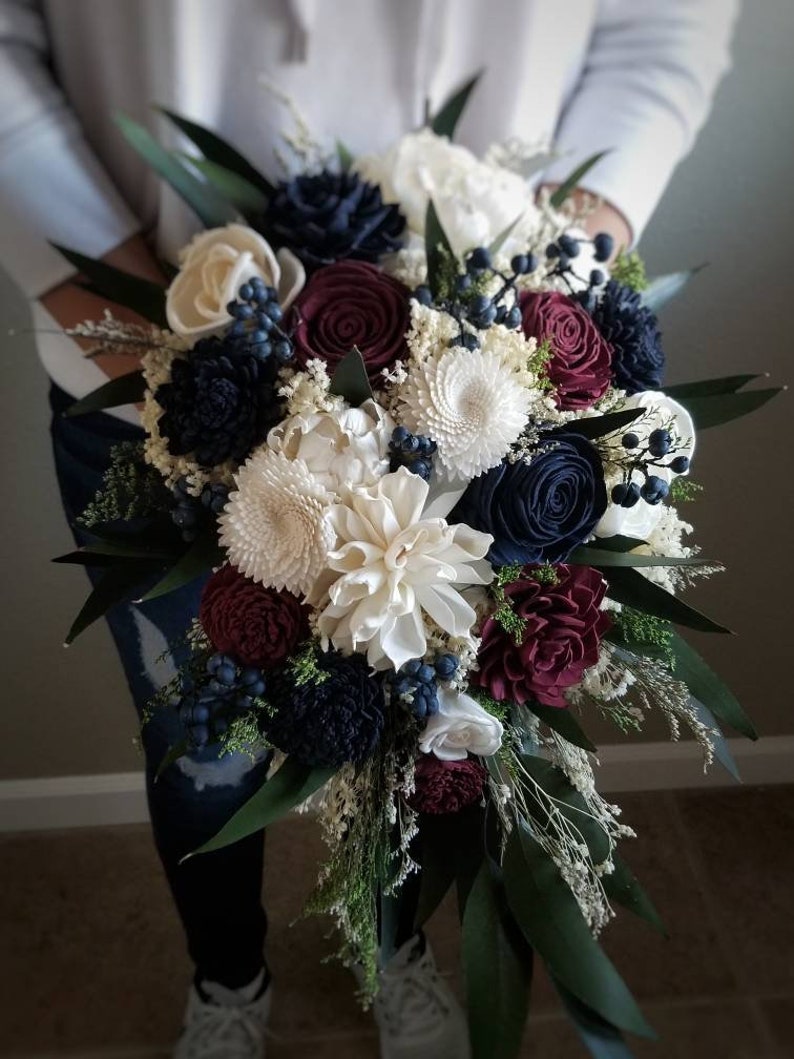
[(633, 332), (329, 216), (538, 511), (329, 723), (218, 404)]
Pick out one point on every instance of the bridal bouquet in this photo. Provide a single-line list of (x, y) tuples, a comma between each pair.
[(412, 433)]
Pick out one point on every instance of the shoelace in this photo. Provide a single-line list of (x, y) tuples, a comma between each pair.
[(214, 1027), (411, 1000)]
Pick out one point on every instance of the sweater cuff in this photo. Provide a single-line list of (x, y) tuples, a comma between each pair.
[(52, 188), (643, 152)]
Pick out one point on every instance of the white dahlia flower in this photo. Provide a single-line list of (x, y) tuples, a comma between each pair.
[(391, 569), (275, 527)]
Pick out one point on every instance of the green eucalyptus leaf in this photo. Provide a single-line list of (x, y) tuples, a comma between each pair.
[(569, 802), (202, 555), (115, 551), (621, 887), (210, 208), (143, 297), (708, 689), (617, 543), (602, 1040), (599, 426), (587, 555), (629, 587), (572, 182), (117, 583), (438, 250), (350, 379), (215, 149), (124, 389), (663, 289), (244, 196), (709, 387), (496, 245), (291, 785), (563, 722), (721, 408), (173, 755), (446, 120), (721, 749), (497, 964), (552, 923), (345, 156)]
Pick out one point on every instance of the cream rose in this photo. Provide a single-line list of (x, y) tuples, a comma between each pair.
[(461, 726), (213, 267), (475, 200)]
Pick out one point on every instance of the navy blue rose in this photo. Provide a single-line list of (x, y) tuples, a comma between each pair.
[(218, 404), (328, 723), (633, 332), (538, 511), (330, 216)]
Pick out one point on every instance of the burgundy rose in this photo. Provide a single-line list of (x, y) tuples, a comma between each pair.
[(580, 365), (564, 626), (257, 625), (351, 303), (446, 786)]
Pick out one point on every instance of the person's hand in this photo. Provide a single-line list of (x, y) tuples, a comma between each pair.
[(70, 305), (604, 218)]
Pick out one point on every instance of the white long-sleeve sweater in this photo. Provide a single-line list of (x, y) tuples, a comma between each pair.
[(632, 76)]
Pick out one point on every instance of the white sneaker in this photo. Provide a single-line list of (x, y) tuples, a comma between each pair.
[(231, 1024), (416, 1011)]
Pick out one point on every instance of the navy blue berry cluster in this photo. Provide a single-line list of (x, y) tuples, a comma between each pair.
[(561, 258), (414, 451), (417, 683), (256, 314), (654, 489), (206, 708), (192, 513)]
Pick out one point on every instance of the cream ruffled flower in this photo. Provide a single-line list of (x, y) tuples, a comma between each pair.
[(344, 448), (391, 568), (461, 726), (213, 267), (275, 527), (474, 403)]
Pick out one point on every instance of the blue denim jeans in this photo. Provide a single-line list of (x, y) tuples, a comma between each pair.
[(218, 895)]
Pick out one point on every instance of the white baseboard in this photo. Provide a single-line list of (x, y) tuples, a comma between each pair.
[(120, 798)]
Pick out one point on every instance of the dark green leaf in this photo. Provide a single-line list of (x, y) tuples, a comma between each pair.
[(437, 856), (600, 1038), (344, 155), (723, 407), (446, 121), (552, 923), (622, 888), (202, 555), (709, 387), (496, 245), (145, 298), (569, 802), (438, 251), (116, 584), (497, 964), (291, 785), (707, 687), (81, 558), (563, 722), (124, 389), (219, 151), (209, 207), (617, 543), (350, 379), (571, 183), (633, 590), (230, 186), (115, 551), (598, 426), (175, 752), (721, 749), (592, 555), (663, 289)]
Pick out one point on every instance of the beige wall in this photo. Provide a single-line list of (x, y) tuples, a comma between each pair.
[(68, 711)]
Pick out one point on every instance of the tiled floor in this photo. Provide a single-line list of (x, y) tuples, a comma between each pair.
[(92, 961)]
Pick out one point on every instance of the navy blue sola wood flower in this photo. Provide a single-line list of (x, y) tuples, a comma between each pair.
[(541, 510), (218, 404), (633, 332), (329, 216), (331, 721)]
